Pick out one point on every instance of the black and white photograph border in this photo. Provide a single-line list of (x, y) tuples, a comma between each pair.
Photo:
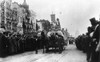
[(49, 30)]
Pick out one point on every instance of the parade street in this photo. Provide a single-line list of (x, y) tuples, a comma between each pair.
[(49, 31), (71, 54)]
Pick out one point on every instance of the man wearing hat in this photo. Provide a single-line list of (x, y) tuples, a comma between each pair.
[(95, 37)]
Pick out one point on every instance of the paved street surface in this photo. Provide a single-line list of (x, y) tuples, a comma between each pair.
[(71, 54)]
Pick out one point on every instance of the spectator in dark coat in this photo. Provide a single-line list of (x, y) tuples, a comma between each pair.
[(96, 36), (4, 43), (88, 44)]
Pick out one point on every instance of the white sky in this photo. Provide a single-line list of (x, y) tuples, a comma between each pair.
[(73, 14)]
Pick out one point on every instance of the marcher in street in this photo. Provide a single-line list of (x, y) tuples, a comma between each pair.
[(43, 40)]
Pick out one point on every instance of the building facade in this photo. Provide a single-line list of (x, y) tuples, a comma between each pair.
[(13, 14)]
